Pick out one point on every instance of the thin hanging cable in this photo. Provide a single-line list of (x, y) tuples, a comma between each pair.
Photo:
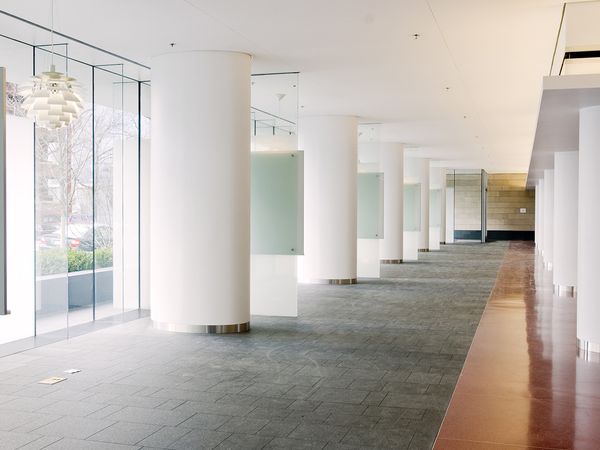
[(52, 34)]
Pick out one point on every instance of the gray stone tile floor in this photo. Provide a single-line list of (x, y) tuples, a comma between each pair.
[(365, 366)]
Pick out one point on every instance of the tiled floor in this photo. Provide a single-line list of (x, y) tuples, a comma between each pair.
[(523, 385), (365, 366)]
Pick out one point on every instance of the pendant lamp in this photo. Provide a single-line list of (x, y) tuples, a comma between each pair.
[(52, 98)]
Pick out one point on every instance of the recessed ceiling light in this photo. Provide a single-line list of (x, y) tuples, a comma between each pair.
[(172, 44), (447, 88), (416, 36)]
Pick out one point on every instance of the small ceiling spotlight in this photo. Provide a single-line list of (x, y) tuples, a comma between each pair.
[(416, 36), (447, 88), (172, 44), (464, 117)]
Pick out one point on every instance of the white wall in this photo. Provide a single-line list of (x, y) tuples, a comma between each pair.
[(20, 231), (125, 226)]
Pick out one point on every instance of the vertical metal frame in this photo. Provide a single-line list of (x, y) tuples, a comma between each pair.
[(139, 190), (93, 193), (3, 275), (35, 201), (483, 206)]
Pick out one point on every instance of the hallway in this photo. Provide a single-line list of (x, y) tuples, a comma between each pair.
[(370, 365)]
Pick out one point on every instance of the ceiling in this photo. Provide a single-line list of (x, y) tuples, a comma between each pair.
[(466, 92), (558, 123)]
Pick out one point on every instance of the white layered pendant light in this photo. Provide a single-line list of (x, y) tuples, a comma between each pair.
[(52, 99)]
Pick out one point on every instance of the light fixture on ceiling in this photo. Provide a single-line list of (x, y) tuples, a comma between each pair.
[(416, 36), (52, 99)]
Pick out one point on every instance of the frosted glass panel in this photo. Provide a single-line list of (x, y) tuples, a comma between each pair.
[(367, 258), (434, 238), (412, 207), (411, 246), (435, 207), (277, 208), (370, 205), (273, 285)]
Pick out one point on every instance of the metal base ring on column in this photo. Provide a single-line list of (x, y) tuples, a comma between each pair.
[(423, 250), (391, 261), (589, 351), (565, 291), (337, 281), (202, 329)]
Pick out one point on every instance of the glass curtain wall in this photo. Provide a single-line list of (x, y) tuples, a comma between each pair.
[(86, 192), (469, 189)]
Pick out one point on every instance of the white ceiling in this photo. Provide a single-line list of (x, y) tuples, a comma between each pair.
[(558, 121), (358, 57)]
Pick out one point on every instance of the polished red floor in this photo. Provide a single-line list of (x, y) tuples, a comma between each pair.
[(523, 385)]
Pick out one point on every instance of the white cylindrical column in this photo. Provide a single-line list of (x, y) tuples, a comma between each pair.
[(566, 176), (588, 302), (391, 247), (540, 202), (548, 218), (200, 192), (435, 207), (330, 167), (424, 177)]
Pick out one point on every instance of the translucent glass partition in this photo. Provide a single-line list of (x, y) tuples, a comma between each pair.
[(277, 203), (412, 207), (370, 205)]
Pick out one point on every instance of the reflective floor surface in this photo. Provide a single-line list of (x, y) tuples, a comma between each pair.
[(523, 385), (367, 366)]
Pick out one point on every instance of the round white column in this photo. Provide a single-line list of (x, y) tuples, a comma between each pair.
[(540, 202), (566, 176), (391, 247), (330, 221), (548, 218), (424, 178), (200, 192), (435, 210), (588, 301)]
